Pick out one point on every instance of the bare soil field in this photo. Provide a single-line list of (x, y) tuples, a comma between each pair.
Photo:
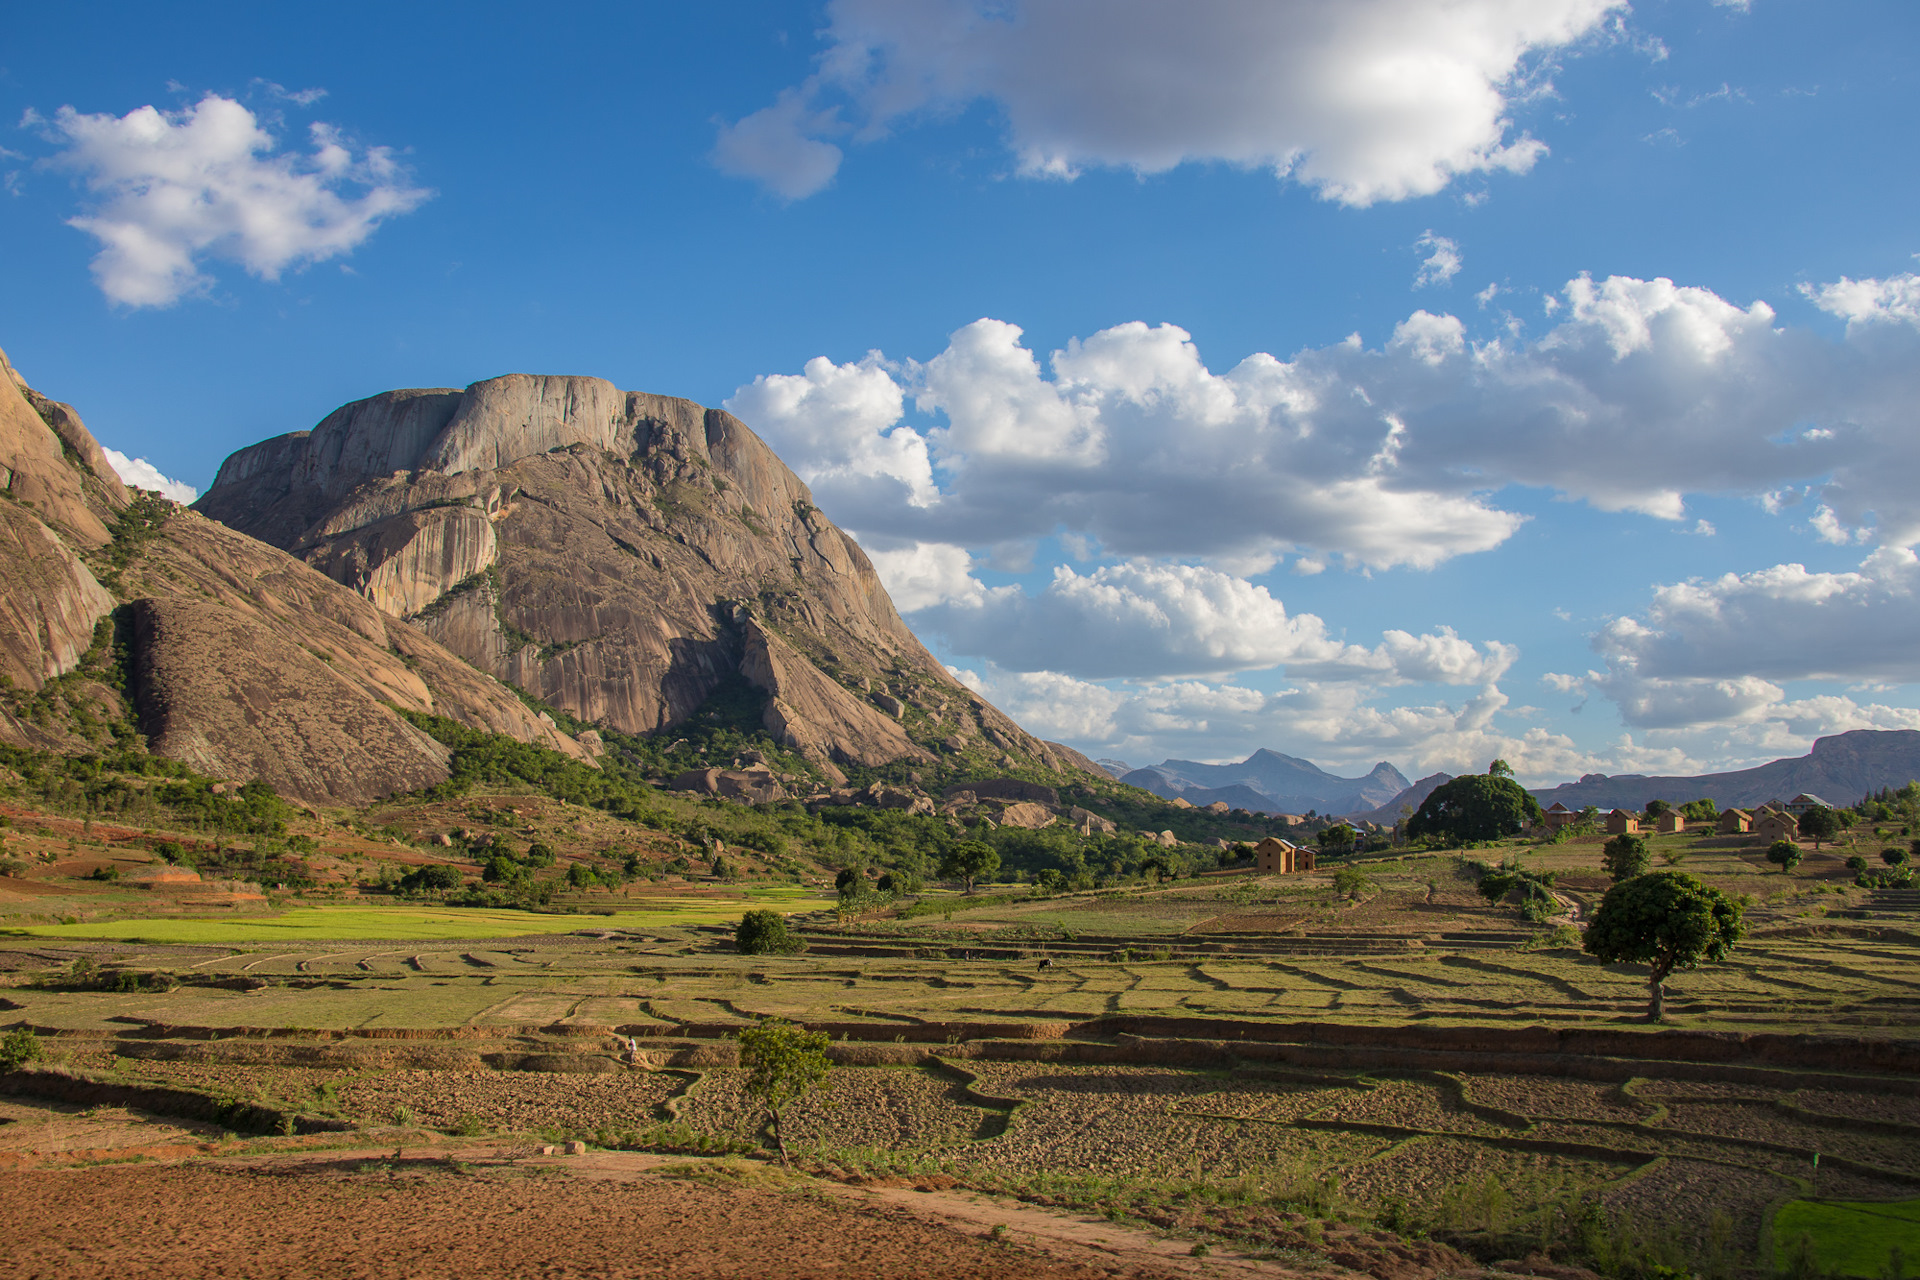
[(444, 1216)]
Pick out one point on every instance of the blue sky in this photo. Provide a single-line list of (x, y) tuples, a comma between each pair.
[(1364, 380)]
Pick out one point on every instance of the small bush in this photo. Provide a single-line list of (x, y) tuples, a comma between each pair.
[(18, 1047)]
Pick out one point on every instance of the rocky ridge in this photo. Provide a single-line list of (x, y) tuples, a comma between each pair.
[(228, 654), (626, 557)]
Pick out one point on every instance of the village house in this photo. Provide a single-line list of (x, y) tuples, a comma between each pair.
[(1558, 816), (1734, 822), (1803, 802), (1671, 822), (1274, 856), (1776, 824), (1622, 823)]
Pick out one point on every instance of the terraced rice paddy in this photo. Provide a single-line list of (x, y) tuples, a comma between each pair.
[(1442, 1078)]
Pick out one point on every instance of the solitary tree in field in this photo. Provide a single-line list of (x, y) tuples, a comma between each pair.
[(969, 860), (1337, 838), (783, 1064), (761, 933), (1820, 823), (1784, 854), (1477, 806), (1894, 856), (1665, 919), (1625, 857)]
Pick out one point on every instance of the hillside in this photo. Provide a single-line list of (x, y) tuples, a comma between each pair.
[(1841, 768)]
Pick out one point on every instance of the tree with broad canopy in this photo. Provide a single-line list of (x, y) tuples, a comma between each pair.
[(1668, 920)]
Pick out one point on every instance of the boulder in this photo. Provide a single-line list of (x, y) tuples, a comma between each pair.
[(1024, 814), (1166, 839), (1219, 806), (1179, 803), (1088, 823), (1006, 789)]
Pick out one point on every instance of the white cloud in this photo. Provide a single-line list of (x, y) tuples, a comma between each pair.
[(177, 188), (1140, 620), (927, 574), (837, 421), (1864, 302), (1442, 263), (144, 475), (1718, 651), (1361, 100), (772, 147)]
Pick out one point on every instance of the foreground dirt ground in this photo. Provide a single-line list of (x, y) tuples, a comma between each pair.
[(475, 1213)]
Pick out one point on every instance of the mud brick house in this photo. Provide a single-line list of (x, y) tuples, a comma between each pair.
[(1274, 856)]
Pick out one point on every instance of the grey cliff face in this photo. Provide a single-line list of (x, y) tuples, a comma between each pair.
[(244, 662), (618, 554)]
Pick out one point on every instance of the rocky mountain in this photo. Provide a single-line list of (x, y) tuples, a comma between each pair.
[(1284, 784), (1841, 768), (634, 559), (119, 609), (1404, 804)]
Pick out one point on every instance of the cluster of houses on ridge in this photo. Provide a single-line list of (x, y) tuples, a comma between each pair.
[(1772, 821)]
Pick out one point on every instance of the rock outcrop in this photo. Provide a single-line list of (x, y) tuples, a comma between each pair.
[(244, 662), (624, 556)]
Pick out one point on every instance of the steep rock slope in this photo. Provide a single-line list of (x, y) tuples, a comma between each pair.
[(236, 658), (621, 555), (1841, 768)]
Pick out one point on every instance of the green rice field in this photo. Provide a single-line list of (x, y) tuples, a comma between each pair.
[(1850, 1238), (407, 924)]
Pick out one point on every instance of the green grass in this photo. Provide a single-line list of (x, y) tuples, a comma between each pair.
[(402, 924), (1850, 1237)]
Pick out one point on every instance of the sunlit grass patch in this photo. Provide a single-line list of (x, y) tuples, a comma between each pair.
[(399, 923), (1848, 1237)]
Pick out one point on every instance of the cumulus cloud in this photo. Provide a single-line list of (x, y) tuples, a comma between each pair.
[(1864, 302), (1442, 263), (1643, 393), (1360, 100), (142, 474), (772, 146), (838, 422), (1149, 620), (174, 189), (1781, 623)]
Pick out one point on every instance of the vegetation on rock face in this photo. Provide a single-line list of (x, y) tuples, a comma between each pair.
[(1478, 806), (1668, 920), (784, 1063)]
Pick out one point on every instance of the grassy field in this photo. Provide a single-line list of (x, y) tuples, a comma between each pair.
[(411, 923), (1850, 1238)]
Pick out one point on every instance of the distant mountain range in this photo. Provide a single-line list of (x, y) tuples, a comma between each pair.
[(1268, 782), (1839, 769)]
